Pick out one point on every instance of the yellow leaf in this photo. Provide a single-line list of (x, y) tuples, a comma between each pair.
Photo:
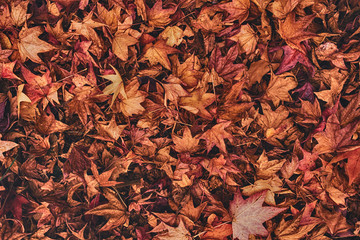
[(116, 87)]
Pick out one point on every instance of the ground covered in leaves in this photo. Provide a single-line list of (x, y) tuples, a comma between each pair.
[(179, 119)]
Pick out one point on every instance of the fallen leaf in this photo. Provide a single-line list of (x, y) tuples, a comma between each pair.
[(187, 143), (216, 136), (279, 87), (120, 44), (159, 17), (116, 87), (114, 211), (197, 102), (248, 215), (30, 45), (157, 53), (293, 32)]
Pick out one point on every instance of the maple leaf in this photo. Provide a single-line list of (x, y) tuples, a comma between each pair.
[(197, 102), (40, 87), (172, 233), (219, 166), (281, 8), (336, 79), (274, 185), (246, 38), (173, 90), (86, 28), (120, 44), (209, 20), (159, 17), (157, 53), (291, 58), (279, 87), (224, 65), (266, 169), (335, 138), (112, 129), (187, 143), (30, 45), (293, 31), (189, 71), (173, 35), (103, 179), (352, 166), (116, 87), (132, 104), (216, 136), (238, 9), (248, 215), (114, 211)]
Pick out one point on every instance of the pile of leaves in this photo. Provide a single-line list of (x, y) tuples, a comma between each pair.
[(179, 119)]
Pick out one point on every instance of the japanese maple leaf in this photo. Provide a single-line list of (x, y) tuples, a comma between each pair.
[(293, 32), (159, 17), (120, 44), (172, 233), (224, 65), (197, 102), (40, 87), (352, 167), (219, 166), (248, 215), (173, 35), (30, 45), (86, 29), (173, 90), (238, 9), (335, 138), (246, 38), (115, 211), (116, 87), (291, 58), (216, 136), (187, 143), (279, 87), (132, 104), (157, 53)]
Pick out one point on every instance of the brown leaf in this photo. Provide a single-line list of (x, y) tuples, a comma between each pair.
[(279, 87), (335, 138), (187, 143), (157, 53), (30, 45), (293, 32), (114, 211), (120, 44), (159, 17), (216, 136), (197, 102)]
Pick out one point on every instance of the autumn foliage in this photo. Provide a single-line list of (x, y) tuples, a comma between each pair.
[(179, 119)]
